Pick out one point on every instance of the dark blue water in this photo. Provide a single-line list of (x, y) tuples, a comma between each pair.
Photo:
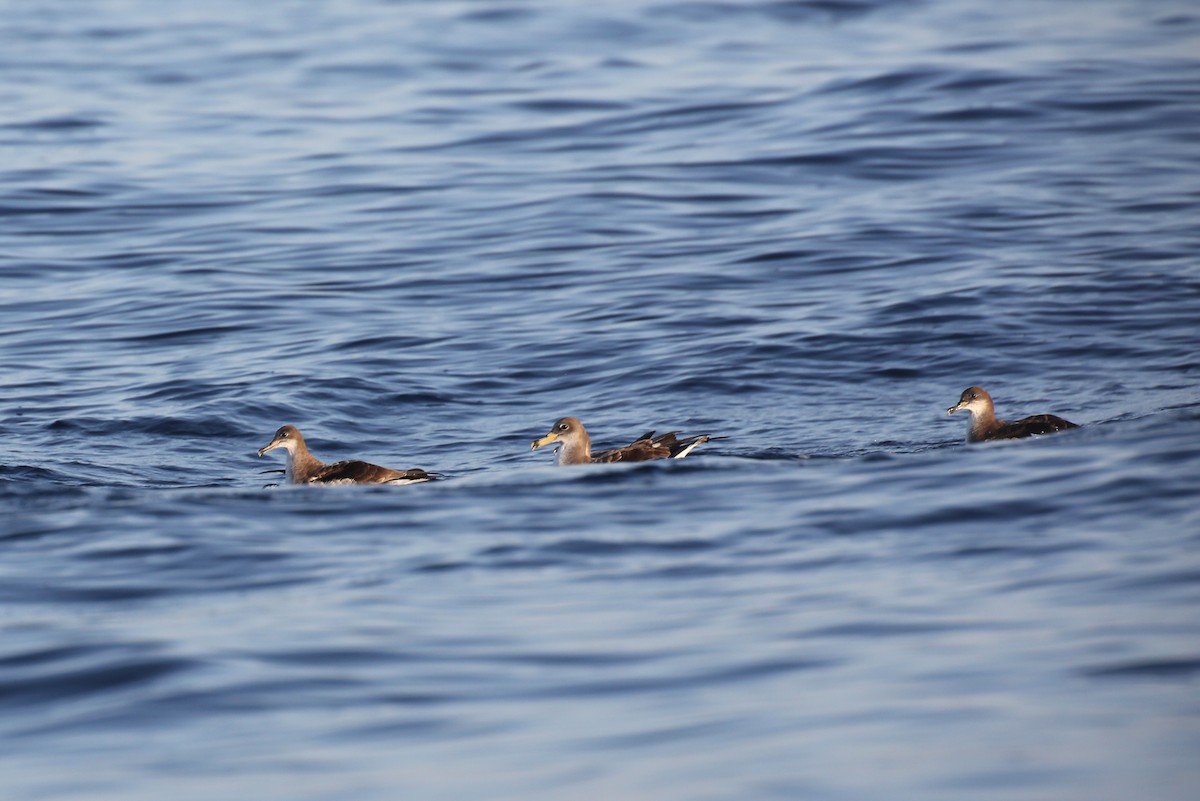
[(421, 232)]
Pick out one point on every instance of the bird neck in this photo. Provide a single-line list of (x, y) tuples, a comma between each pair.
[(577, 451), (983, 422), (300, 463)]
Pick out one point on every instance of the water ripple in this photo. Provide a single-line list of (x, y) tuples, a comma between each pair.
[(424, 232)]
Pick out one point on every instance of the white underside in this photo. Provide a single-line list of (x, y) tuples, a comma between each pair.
[(291, 474)]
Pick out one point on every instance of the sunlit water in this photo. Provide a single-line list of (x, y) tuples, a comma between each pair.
[(421, 232)]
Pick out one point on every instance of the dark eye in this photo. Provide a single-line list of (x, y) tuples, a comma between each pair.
[(974, 396), (562, 426), (284, 434)]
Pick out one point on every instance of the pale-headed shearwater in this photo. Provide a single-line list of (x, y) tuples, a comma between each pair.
[(985, 426), (575, 446), (304, 468)]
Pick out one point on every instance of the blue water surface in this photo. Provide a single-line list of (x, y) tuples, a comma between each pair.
[(422, 232)]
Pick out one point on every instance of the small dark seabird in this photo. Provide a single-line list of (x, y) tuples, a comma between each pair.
[(985, 426), (304, 468), (575, 446)]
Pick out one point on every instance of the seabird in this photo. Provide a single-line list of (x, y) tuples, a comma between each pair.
[(575, 446), (304, 468), (985, 426)]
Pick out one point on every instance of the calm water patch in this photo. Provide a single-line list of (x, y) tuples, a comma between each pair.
[(423, 232)]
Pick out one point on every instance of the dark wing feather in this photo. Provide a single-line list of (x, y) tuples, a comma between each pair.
[(648, 446), (357, 472), (679, 446), (640, 451), (412, 476), (1030, 426)]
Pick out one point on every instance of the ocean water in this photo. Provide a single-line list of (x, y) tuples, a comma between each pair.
[(421, 232)]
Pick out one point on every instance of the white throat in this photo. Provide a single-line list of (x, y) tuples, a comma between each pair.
[(573, 452), (289, 461)]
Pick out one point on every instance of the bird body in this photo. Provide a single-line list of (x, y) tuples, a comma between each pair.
[(575, 446), (986, 426), (304, 468)]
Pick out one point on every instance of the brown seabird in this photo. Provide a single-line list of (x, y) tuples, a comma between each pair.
[(304, 468), (985, 426), (575, 446)]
